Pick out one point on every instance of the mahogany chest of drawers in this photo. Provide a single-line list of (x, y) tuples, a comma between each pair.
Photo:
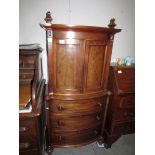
[(121, 109), (31, 90), (78, 66)]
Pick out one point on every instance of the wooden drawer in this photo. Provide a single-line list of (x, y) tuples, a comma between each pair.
[(26, 76), (26, 62), (27, 130), (125, 79), (127, 101), (82, 107), (123, 128), (27, 144), (68, 123), (29, 152), (26, 71), (124, 114), (76, 137)]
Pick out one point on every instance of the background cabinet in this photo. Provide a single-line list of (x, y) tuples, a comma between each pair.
[(121, 109), (32, 123)]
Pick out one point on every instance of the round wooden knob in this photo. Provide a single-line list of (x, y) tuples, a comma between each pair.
[(23, 129)]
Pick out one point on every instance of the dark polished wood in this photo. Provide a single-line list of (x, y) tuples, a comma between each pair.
[(77, 95), (31, 86), (121, 110)]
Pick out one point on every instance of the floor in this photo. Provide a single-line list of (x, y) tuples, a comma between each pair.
[(125, 145)]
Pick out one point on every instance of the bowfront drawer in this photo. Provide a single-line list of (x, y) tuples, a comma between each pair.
[(67, 123), (82, 107), (76, 137), (127, 101)]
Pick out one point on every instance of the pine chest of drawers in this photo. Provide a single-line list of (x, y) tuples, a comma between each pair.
[(78, 66), (121, 109)]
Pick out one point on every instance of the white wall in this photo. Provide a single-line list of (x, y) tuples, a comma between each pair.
[(79, 12)]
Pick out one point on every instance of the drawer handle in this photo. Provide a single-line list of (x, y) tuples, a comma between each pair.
[(99, 104), (60, 108), (23, 129), (24, 145), (95, 132), (98, 118), (60, 122)]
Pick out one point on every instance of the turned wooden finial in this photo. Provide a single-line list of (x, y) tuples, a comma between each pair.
[(112, 23), (48, 17)]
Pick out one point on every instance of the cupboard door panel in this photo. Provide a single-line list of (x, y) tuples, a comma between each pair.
[(95, 54), (68, 66)]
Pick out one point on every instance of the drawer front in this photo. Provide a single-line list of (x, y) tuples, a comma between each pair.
[(67, 123), (125, 79), (26, 71), (29, 152), (76, 137), (123, 128), (125, 114), (28, 144), (82, 107), (127, 101), (26, 62), (27, 130), (25, 76)]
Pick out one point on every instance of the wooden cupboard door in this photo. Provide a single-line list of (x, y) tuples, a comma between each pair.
[(94, 64), (68, 66)]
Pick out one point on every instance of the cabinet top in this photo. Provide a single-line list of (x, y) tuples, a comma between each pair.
[(29, 49), (49, 26)]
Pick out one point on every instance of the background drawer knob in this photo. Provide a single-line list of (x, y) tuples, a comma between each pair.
[(25, 145), (95, 132), (98, 118), (22, 129), (99, 104)]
